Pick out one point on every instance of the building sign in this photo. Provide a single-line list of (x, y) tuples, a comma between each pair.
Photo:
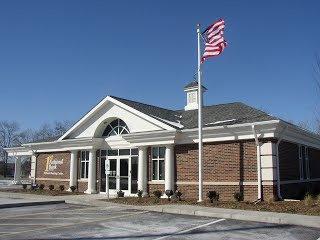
[(52, 166)]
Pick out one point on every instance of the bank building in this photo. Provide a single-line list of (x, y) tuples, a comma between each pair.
[(151, 148)]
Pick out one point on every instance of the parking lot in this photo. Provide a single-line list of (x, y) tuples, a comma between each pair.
[(65, 221)]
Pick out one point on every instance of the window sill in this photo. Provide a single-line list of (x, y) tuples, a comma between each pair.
[(156, 182)]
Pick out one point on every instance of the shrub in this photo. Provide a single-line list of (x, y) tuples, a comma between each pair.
[(51, 187), (41, 186), (73, 188), (318, 200), (169, 193), (178, 194), (157, 193), (61, 188), (213, 196), (24, 186), (120, 194), (140, 193), (34, 187), (308, 200), (238, 196)]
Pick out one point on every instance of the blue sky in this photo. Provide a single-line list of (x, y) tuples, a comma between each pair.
[(59, 58)]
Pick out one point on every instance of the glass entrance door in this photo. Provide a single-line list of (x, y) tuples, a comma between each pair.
[(122, 165), (124, 174), (113, 174), (119, 176)]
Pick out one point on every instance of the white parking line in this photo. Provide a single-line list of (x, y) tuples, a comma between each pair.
[(191, 229)]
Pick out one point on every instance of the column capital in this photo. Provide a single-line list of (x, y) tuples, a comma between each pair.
[(170, 146), (142, 148)]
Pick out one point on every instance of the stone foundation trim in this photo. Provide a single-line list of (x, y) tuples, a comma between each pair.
[(226, 183), (53, 179), (156, 182), (300, 181)]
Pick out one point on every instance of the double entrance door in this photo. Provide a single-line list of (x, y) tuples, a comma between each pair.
[(123, 174)]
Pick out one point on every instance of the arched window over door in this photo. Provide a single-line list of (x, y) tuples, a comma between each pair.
[(116, 127)]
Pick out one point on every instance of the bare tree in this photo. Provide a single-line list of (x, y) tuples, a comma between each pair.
[(9, 137), (61, 127)]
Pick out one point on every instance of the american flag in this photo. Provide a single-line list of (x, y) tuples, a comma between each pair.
[(215, 43)]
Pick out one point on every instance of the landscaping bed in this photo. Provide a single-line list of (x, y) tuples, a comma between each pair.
[(41, 192), (310, 207)]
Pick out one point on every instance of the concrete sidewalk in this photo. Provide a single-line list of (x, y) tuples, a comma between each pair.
[(257, 216)]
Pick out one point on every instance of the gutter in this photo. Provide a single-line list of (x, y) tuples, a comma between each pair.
[(258, 163), (278, 162)]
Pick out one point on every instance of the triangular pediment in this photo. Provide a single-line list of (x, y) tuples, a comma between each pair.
[(94, 122)]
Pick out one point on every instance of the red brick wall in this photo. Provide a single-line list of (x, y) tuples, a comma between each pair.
[(223, 162), (289, 161)]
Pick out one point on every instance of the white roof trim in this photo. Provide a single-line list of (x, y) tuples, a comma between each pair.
[(120, 104)]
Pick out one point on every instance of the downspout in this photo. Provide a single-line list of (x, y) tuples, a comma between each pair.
[(280, 137), (258, 163)]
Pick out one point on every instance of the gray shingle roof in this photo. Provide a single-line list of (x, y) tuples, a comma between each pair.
[(215, 115)]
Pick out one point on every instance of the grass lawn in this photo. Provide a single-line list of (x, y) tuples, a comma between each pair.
[(41, 192), (296, 207)]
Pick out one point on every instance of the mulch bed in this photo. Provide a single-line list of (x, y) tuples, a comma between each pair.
[(41, 192), (294, 207)]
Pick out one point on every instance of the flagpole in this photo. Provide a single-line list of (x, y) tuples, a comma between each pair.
[(200, 116)]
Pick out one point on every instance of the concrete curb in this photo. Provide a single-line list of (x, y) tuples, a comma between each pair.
[(256, 216), (27, 204), (245, 215)]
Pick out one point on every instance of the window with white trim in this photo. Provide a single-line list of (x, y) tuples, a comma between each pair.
[(158, 155), (84, 164), (116, 127)]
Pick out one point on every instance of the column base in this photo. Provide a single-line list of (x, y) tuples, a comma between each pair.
[(90, 191)]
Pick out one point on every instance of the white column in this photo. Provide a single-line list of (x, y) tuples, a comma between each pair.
[(73, 169), (169, 168), (33, 168), (92, 179), (17, 171), (142, 170)]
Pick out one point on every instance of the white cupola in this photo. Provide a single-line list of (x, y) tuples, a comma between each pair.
[(192, 95)]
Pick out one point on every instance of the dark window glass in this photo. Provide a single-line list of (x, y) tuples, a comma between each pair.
[(124, 183), (134, 168), (107, 130), (103, 153), (87, 168), (87, 155), (161, 169), (155, 170), (112, 152), (112, 183), (162, 151), (113, 167), (155, 152), (124, 167), (124, 152), (114, 123), (134, 151)]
